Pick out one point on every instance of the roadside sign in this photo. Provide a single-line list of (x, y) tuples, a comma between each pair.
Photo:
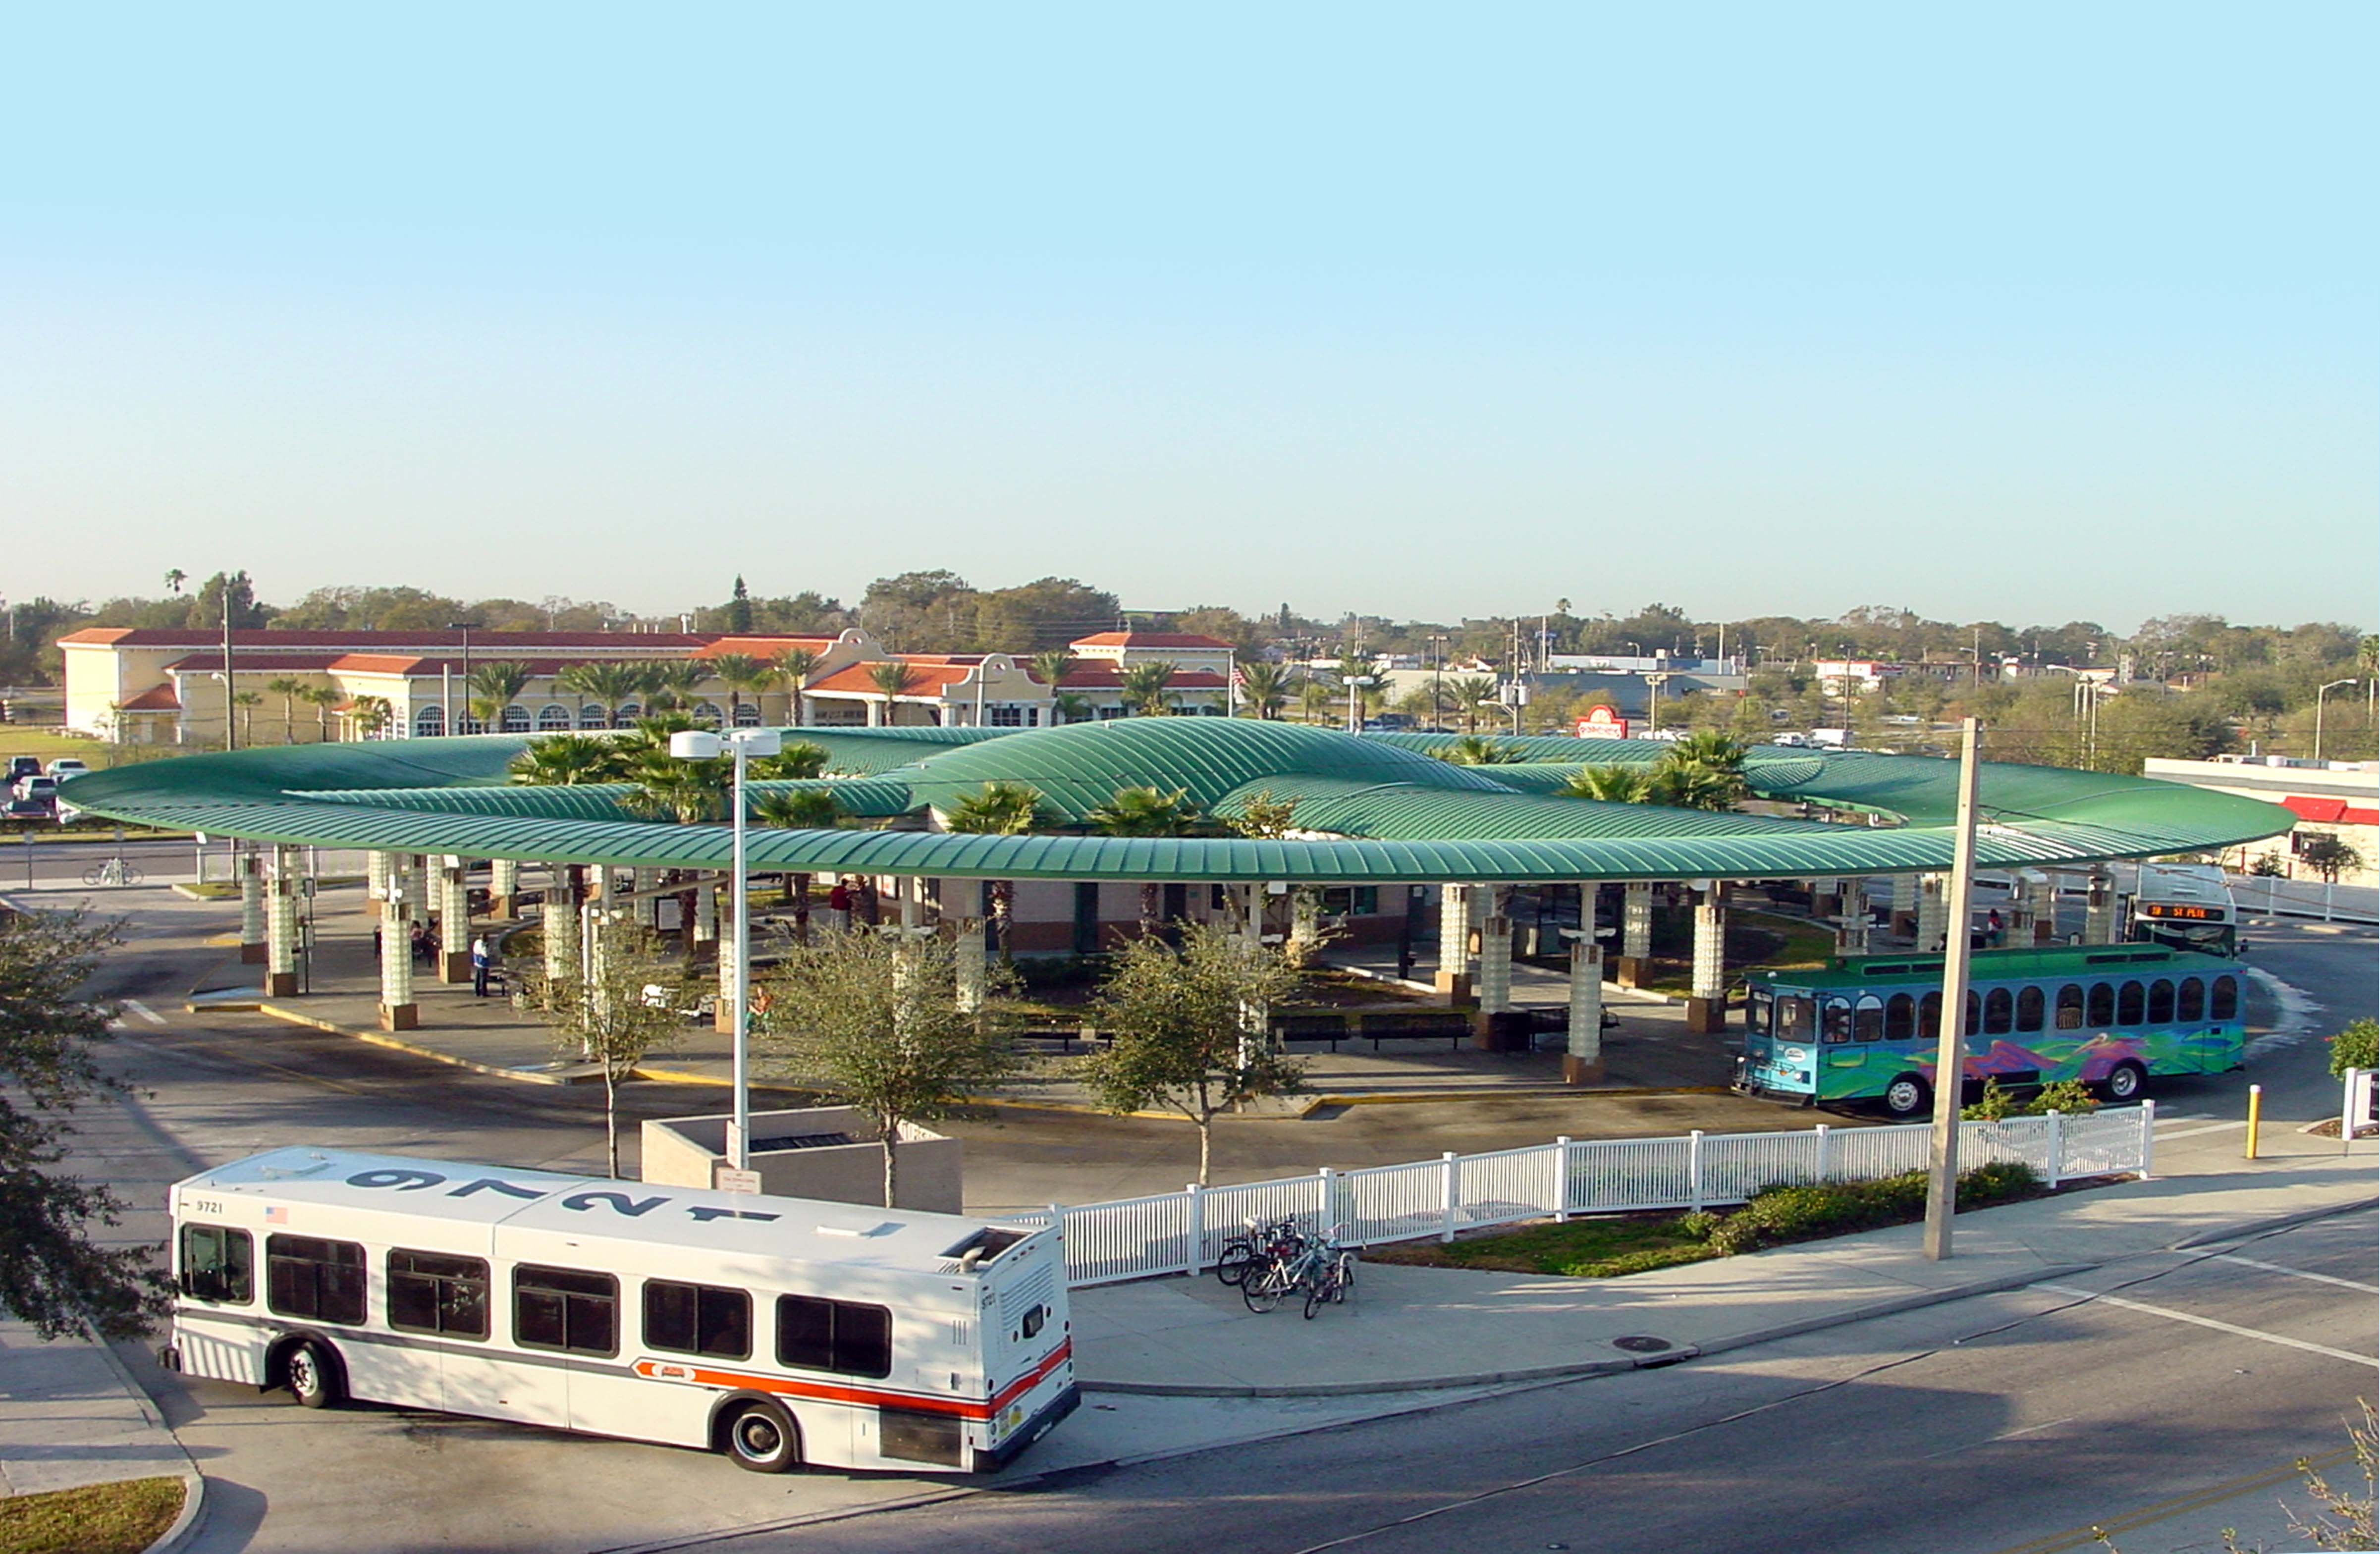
[(1602, 723), (727, 1179)]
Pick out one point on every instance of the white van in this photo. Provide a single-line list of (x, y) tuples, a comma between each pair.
[(775, 1331)]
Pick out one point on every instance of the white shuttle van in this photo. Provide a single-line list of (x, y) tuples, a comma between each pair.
[(776, 1331)]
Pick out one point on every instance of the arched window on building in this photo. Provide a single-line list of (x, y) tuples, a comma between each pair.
[(553, 719), (747, 714), (514, 719), (430, 723), (626, 715), (707, 713), (594, 717)]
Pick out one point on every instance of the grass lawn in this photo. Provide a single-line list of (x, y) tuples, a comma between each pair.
[(1599, 1248), (121, 1518)]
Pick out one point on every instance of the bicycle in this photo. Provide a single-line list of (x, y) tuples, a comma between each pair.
[(112, 871), (1255, 1243), (1337, 1284)]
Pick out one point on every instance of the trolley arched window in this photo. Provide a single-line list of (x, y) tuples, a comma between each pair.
[(2103, 1004), (2131, 1003), (1929, 1017), (1867, 1018), (1900, 1017), (1974, 1011), (2029, 1003), (1835, 1014), (552, 718), (2224, 1002), (2191, 1005), (1999, 1012), (2069, 1006), (2161, 1002)]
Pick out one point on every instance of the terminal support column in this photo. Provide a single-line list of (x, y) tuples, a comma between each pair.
[(2099, 909), (1583, 1058), (504, 885), (281, 925), (2040, 894), (379, 869), (454, 921), (398, 1010), (1454, 941), (559, 925), (1636, 934), (1706, 996), (1933, 913), (251, 905), (969, 946), (1905, 908), (1494, 954)]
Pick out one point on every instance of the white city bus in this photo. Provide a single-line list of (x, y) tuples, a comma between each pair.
[(776, 1331), (2186, 906)]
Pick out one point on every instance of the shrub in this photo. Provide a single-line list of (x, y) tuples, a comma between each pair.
[(1698, 1225), (2069, 1095), (1802, 1212), (2356, 1046)]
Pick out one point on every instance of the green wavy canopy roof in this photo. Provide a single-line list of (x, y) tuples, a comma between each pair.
[(1384, 809)]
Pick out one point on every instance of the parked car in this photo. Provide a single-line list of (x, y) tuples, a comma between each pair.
[(65, 767), (39, 786), (22, 766), (27, 811)]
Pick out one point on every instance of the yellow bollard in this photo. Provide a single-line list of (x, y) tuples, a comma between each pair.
[(2256, 1114)]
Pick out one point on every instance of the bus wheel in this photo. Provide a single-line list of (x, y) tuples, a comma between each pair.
[(1908, 1097), (761, 1440), (313, 1373), (2124, 1082)]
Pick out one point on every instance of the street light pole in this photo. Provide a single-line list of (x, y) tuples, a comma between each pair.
[(705, 744), (2317, 712)]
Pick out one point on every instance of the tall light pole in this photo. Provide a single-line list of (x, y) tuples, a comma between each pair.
[(456, 725), (1355, 684), (2317, 712), (743, 742), (1437, 678), (1951, 1040)]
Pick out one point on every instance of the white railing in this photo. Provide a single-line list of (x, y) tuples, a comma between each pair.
[(1181, 1232), (2359, 1102)]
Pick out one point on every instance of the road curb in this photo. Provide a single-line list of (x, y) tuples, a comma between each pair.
[(377, 1038), (186, 1525), (194, 1484), (2268, 1224)]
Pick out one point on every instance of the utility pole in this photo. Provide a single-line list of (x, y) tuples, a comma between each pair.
[(1951, 1046), (231, 686)]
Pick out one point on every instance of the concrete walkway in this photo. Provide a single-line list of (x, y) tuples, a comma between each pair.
[(71, 1416)]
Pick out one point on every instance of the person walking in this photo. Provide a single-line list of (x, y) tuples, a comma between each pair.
[(838, 905), (480, 966), (1995, 930)]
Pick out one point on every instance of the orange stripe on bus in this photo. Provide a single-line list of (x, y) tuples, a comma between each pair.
[(703, 1376)]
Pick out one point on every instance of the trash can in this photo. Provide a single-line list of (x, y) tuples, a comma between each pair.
[(1510, 1030)]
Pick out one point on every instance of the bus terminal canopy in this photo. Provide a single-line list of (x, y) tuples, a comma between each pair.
[(1372, 808)]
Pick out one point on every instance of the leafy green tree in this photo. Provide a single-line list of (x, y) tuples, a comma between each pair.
[(371, 715), (1262, 815), (609, 1013), (1472, 695), (1188, 1029), (52, 1273), (1069, 707), (1704, 771), (799, 809), (739, 607), (2358, 1046), (797, 760), (740, 673), (1314, 699), (2330, 854), (1612, 784), (876, 1020)]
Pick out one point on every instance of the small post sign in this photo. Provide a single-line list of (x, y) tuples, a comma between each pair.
[(727, 1179)]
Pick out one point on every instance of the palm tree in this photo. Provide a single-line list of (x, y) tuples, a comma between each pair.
[(1143, 687), (671, 684), (561, 760), (891, 680), (794, 666), (578, 682), (796, 762), (371, 715), (1050, 667), (740, 673), (248, 702), (799, 809), (1266, 687), (1470, 695), (1704, 771), (289, 691), (690, 791), (1613, 785), (494, 685), (1313, 699), (1142, 812), (1068, 708), (1473, 749), (1001, 808), (322, 698)]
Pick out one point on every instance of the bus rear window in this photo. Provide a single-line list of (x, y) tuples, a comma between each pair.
[(321, 1281), (217, 1265)]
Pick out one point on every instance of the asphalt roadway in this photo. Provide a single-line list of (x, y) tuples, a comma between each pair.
[(1977, 1426)]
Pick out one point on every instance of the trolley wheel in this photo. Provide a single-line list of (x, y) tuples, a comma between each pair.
[(2125, 1081), (760, 1439), (1908, 1095), (313, 1369)]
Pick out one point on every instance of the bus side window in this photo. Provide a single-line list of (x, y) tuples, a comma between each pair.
[(842, 1336), (2193, 1004), (2028, 1009), (2160, 1002), (1867, 1018), (1757, 1002), (217, 1265), (1836, 1012), (1900, 1017), (2131, 1003), (1999, 1012), (2103, 1004), (1929, 1017), (2069, 1006), (698, 1319), (1793, 1019), (563, 1308), (2224, 1002), (322, 1280), (435, 1293)]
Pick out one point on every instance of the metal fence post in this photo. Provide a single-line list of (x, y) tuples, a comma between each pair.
[(1194, 1256), (1825, 1152), (1562, 1180), (1328, 1213), (1452, 1171), (2148, 1137), (2057, 1151), (1695, 1167), (2347, 1118)]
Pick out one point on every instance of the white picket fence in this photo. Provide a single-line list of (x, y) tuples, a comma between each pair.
[(2358, 1108), (1181, 1232)]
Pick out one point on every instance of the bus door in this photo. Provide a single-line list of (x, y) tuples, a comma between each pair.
[(562, 1316)]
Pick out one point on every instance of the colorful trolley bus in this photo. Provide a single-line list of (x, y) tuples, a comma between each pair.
[(776, 1331), (2113, 1016)]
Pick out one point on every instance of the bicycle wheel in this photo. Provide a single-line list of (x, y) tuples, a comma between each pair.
[(1316, 1299), (131, 875), (1343, 1278), (1264, 1287), (95, 874), (1233, 1267)]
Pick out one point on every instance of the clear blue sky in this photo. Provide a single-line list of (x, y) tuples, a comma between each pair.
[(2028, 311)]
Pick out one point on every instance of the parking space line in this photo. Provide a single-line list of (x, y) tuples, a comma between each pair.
[(2209, 1322), (2299, 1273), (143, 1010)]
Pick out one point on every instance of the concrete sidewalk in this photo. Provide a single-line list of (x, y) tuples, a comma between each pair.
[(73, 1416), (1413, 1328)]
